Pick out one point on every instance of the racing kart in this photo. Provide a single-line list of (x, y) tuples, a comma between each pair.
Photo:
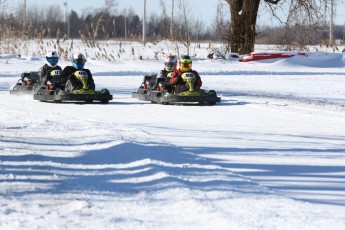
[(52, 91), (27, 84), (163, 93), (147, 85)]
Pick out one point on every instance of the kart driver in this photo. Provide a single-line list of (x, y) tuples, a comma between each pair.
[(69, 81), (185, 65), (45, 72)]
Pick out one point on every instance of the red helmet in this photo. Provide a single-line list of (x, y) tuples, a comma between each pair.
[(170, 63)]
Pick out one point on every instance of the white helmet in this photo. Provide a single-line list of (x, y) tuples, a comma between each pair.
[(170, 63), (52, 58)]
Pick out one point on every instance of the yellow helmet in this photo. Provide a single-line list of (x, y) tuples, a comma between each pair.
[(185, 63)]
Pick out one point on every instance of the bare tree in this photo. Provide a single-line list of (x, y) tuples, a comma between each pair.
[(222, 26), (244, 14), (3, 11), (183, 29), (108, 6), (3, 22), (3, 7), (167, 24)]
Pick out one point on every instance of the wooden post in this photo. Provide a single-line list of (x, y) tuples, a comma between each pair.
[(331, 39), (144, 23)]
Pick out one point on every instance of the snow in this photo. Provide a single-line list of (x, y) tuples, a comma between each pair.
[(270, 156)]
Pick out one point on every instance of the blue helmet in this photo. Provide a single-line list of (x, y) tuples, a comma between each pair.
[(52, 58), (78, 60)]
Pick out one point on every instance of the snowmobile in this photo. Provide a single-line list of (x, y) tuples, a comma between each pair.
[(147, 85), (164, 93), (52, 91), (27, 84)]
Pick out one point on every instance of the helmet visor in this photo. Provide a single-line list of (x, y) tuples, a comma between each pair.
[(170, 64), (79, 61), (188, 65), (185, 67), (53, 60)]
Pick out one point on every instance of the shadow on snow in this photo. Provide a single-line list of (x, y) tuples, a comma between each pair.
[(132, 168)]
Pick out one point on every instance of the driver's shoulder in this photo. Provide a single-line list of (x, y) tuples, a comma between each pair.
[(69, 69)]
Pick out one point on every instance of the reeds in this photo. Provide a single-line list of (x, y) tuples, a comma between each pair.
[(31, 41)]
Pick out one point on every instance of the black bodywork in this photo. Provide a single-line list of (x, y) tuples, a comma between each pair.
[(58, 95), (158, 90), (27, 84)]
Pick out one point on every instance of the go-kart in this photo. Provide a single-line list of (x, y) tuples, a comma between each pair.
[(147, 85), (163, 93), (53, 93), (27, 84)]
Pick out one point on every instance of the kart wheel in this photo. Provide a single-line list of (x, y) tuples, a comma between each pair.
[(104, 101)]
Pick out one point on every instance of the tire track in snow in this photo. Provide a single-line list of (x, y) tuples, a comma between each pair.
[(104, 156)]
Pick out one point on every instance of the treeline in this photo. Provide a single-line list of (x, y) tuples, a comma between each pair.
[(53, 22), (300, 36), (100, 25)]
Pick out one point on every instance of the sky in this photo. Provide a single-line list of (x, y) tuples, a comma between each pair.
[(205, 10)]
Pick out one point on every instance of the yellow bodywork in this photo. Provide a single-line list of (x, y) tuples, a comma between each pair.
[(54, 73), (189, 78), (189, 93), (83, 77)]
